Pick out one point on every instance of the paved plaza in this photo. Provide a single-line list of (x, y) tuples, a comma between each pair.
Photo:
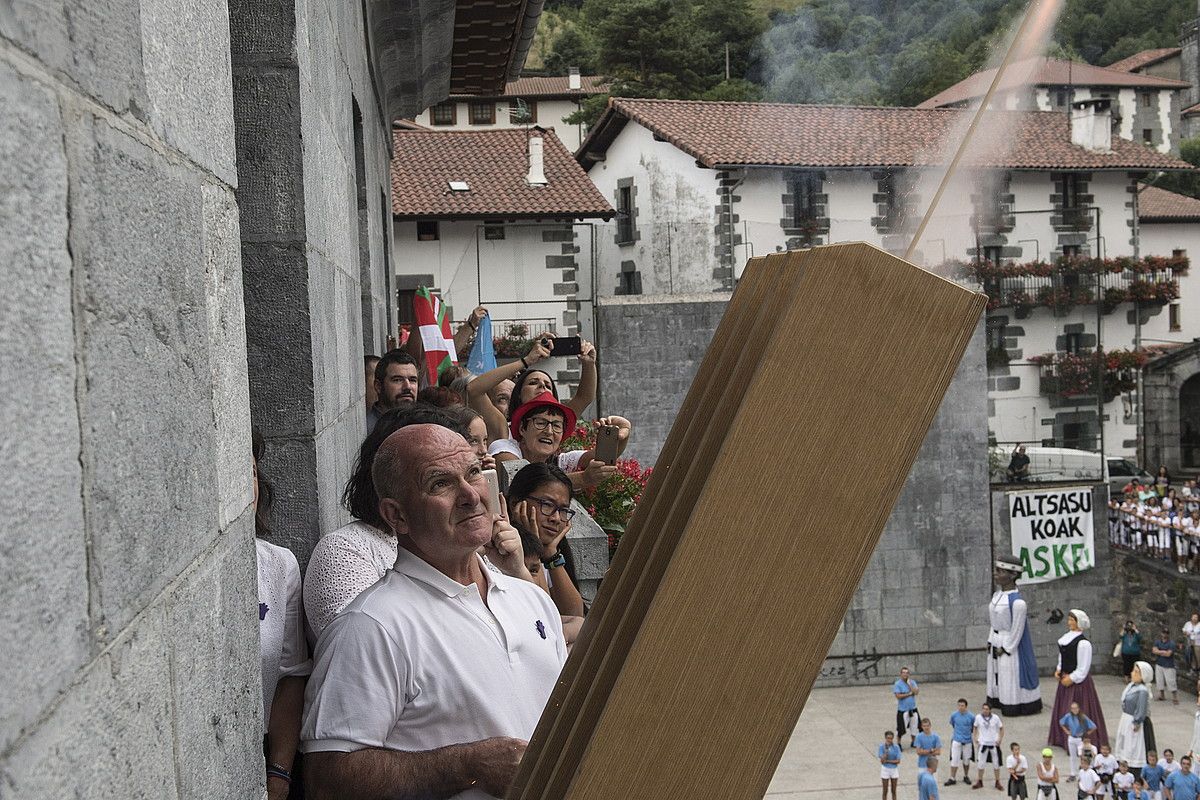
[(832, 751)]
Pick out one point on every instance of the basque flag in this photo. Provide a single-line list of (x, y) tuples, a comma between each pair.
[(434, 325)]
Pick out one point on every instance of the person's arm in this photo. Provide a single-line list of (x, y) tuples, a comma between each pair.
[(1084, 665), (591, 473), (1064, 727), (1000, 734), (585, 393), (1140, 708), (566, 597), (1012, 637), (571, 628), (283, 732), (466, 332), (477, 389), (378, 774)]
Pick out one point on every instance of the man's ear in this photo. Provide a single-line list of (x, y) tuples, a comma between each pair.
[(378, 386), (393, 516)]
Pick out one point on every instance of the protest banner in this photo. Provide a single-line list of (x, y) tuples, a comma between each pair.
[(1052, 532)]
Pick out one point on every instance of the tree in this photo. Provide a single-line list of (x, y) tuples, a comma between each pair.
[(571, 48), (1183, 182)]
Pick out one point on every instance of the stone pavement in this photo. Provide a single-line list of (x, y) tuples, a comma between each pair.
[(832, 751)]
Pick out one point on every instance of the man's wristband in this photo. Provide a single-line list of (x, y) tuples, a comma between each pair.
[(523, 364), (276, 771), (557, 561)]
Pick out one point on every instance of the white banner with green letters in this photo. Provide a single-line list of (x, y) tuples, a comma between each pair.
[(1052, 532)]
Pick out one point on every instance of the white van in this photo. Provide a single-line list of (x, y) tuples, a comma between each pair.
[(1065, 464)]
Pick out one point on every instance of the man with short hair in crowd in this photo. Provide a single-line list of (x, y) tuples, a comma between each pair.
[(430, 683), (988, 735), (908, 719), (962, 745), (927, 787), (396, 384), (1183, 785), (1018, 465)]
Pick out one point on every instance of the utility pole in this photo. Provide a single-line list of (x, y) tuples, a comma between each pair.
[(727, 61)]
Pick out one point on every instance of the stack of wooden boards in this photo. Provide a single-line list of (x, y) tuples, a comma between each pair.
[(708, 632)]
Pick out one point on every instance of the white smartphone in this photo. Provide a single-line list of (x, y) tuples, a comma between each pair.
[(493, 482)]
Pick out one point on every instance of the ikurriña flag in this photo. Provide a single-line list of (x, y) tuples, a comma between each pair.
[(434, 324)]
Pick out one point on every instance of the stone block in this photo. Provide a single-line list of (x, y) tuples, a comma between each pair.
[(185, 51), (217, 686), (291, 464), (227, 352), (112, 735), (147, 421), (270, 161), (43, 599), (97, 43), (262, 32)]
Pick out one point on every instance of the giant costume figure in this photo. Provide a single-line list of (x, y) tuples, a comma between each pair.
[(1012, 675), (1075, 684)]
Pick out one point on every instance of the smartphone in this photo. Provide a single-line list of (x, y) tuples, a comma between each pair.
[(607, 437), (565, 346), (493, 482)]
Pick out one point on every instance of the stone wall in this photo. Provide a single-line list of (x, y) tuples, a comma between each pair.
[(1153, 595), (923, 597), (313, 164), (129, 592)]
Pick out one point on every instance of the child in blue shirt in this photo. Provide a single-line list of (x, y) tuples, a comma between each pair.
[(928, 744), (962, 750), (1076, 725), (889, 763), (1153, 775)]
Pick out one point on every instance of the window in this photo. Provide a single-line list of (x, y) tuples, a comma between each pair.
[(625, 215), (1173, 312), (1075, 436), (893, 212), (1061, 96), (804, 199), (1146, 100), (995, 335), (1073, 343), (493, 231), (1070, 196), (444, 114), (630, 282), (483, 113), (1072, 251), (992, 254), (1147, 136), (522, 111), (427, 230)]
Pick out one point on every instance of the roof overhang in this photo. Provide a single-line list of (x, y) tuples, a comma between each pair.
[(505, 217), (423, 50)]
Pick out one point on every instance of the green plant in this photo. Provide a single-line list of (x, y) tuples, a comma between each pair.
[(514, 342)]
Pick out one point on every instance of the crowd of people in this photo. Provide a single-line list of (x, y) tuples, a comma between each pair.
[(414, 656), (1158, 520), (1132, 767)]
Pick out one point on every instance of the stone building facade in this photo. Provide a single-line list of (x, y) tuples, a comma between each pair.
[(194, 236)]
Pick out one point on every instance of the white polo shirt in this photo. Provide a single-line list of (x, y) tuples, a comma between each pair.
[(419, 661), (989, 729)]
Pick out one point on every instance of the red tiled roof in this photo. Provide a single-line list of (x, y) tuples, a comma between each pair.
[(1145, 58), (551, 86), (1187, 112), (410, 125), (716, 133), (1159, 205), (1047, 72), (494, 165)]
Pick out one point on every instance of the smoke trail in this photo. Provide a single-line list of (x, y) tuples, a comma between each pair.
[(980, 137)]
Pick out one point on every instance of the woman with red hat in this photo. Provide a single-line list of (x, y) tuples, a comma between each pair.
[(538, 429)]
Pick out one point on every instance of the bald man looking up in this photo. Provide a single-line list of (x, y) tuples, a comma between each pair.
[(429, 684)]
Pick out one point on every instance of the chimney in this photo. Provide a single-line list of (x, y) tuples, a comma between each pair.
[(537, 162), (1091, 125), (575, 84)]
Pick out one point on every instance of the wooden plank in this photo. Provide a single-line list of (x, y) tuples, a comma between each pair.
[(752, 594), (721, 392), (594, 640)]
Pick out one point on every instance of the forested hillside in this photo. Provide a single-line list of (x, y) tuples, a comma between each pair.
[(831, 51)]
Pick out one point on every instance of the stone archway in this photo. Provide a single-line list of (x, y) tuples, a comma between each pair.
[(1189, 423), (1170, 430)]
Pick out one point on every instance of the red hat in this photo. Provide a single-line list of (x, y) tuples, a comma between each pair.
[(541, 401)]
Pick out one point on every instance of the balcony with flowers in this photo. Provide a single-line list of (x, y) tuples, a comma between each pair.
[(1075, 281), (1073, 377)]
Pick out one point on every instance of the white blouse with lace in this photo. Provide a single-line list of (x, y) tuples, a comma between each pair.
[(342, 565)]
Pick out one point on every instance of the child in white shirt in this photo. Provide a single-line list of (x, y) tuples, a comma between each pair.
[(1017, 765), (1047, 776), (1122, 781), (1089, 781)]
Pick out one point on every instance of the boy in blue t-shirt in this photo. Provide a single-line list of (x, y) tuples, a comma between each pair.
[(928, 744), (1153, 774), (1184, 784), (962, 749), (927, 788)]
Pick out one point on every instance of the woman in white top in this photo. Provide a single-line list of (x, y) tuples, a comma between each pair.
[(282, 648)]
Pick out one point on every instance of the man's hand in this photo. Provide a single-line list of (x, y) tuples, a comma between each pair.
[(477, 317), (587, 352), (494, 763), (504, 550)]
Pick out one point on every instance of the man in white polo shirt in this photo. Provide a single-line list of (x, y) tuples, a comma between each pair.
[(430, 683)]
